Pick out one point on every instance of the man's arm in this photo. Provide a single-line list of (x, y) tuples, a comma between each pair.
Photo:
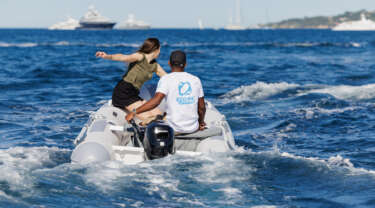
[(201, 113), (149, 105)]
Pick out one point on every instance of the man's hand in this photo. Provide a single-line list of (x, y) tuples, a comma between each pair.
[(130, 116), (101, 54), (202, 126)]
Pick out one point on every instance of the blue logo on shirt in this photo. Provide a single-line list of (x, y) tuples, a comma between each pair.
[(184, 90)]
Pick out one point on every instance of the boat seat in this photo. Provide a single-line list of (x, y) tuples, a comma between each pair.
[(209, 132)]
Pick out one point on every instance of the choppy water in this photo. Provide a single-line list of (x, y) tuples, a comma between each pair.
[(301, 104)]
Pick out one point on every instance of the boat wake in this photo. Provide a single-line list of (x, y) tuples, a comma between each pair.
[(263, 91), (257, 91), (20, 166), (29, 172), (337, 163), (190, 44), (346, 92)]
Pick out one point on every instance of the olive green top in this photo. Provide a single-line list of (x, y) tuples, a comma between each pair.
[(139, 72)]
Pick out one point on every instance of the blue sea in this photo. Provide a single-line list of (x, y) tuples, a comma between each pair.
[(301, 105)]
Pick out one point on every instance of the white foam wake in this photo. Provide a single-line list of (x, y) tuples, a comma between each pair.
[(257, 91), (346, 92), (261, 91), (337, 161), (314, 112), (161, 177), (18, 163)]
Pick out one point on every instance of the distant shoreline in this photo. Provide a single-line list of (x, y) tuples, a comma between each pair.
[(319, 22), (221, 29)]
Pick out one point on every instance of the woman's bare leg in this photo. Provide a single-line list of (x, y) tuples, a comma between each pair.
[(145, 115)]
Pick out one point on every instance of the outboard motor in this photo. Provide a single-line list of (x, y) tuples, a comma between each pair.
[(159, 140)]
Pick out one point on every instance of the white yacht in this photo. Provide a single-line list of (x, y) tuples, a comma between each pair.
[(132, 23), (237, 25), (95, 21), (69, 24), (362, 25)]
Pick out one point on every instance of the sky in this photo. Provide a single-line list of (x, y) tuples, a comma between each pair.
[(171, 13)]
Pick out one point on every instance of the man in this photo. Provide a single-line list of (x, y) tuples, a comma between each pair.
[(184, 96)]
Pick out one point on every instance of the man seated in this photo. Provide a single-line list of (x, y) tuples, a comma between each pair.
[(184, 96)]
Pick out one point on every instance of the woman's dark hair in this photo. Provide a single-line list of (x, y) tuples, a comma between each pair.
[(150, 45)]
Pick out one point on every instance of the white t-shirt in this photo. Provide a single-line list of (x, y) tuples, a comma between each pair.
[(181, 91)]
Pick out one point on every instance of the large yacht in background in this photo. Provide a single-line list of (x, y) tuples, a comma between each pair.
[(362, 25), (132, 23), (69, 24), (95, 21)]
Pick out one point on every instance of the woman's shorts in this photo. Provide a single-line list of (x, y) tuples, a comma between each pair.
[(125, 94)]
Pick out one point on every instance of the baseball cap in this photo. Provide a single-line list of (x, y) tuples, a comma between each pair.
[(178, 58)]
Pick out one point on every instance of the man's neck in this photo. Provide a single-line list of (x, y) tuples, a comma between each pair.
[(175, 69)]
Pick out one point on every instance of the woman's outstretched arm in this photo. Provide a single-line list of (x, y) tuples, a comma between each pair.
[(120, 57)]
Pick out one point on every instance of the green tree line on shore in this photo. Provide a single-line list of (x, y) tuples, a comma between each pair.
[(319, 22)]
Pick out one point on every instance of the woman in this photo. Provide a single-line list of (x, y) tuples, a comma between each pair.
[(142, 65)]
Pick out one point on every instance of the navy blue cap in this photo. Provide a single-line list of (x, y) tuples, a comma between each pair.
[(178, 58)]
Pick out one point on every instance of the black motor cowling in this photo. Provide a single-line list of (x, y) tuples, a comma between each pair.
[(159, 140)]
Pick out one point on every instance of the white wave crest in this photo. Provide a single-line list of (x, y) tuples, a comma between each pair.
[(336, 161), (29, 45), (21, 45), (317, 44), (357, 45), (107, 45), (345, 92), (340, 162), (18, 163), (261, 90), (266, 44), (62, 43), (257, 91), (310, 113)]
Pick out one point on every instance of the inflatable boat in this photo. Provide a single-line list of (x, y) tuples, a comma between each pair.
[(107, 136)]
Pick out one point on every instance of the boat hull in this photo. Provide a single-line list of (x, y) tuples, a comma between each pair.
[(95, 26), (106, 136), (135, 28)]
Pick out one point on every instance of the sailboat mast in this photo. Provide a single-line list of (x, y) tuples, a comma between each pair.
[(238, 12), (236, 24)]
